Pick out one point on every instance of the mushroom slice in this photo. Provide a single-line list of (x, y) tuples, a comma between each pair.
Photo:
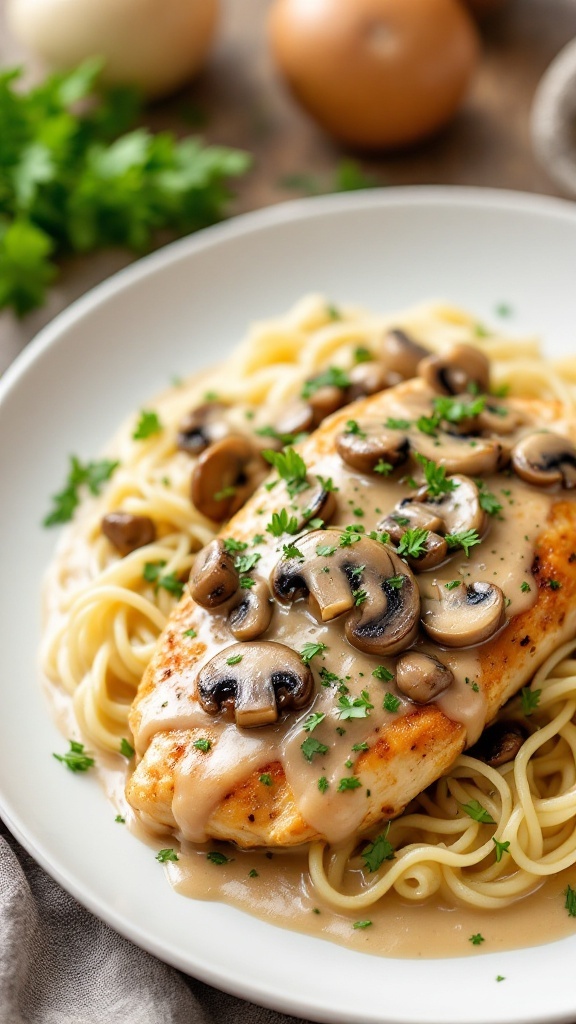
[(464, 615), (255, 682), (202, 427), (499, 419), (421, 678), (545, 458), (363, 449), (401, 354), (225, 476), (499, 743), (475, 457), (313, 503), (459, 509), (367, 379), (214, 578), (128, 532), (462, 368), (383, 616), (251, 611), (297, 418), (409, 515), (326, 400)]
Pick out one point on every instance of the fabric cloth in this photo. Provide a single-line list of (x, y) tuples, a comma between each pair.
[(61, 965)]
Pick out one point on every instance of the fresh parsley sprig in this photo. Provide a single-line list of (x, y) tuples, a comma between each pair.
[(91, 475)]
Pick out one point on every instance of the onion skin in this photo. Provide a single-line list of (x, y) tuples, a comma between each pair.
[(375, 73), (155, 45)]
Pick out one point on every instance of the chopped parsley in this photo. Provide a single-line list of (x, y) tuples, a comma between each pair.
[(525, 587), (282, 522), (91, 475), (554, 584), (379, 850), (383, 673), (391, 703), (226, 492), (266, 779), (190, 633), (168, 581), (253, 873), (246, 582), (325, 550), (232, 546), (452, 584), (215, 857), (359, 707), (396, 582), (488, 501), (120, 819), (234, 659), (361, 924), (413, 542), (383, 468), (349, 782), (244, 563), (476, 939), (362, 354), (500, 848), (285, 439), (360, 596), (148, 425), (435, 475), (310, 747), (570, 902), (75, 759), (291, 551), (455, 410), (332, 377), (466, 539), (530, 700), (203, 744), (290, 467), (126, 749), (392, 424), (164, 855), (323, 783), (311, 650), (475, 810), (360, 746), (353, 427), (313, 720)]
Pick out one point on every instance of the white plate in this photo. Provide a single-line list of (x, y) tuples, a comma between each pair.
[(106, 355)]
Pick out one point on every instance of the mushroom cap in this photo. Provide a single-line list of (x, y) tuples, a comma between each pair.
[(464, 615), (459, 509), (265, 679), (128, 532), (401, 354), (214, 578), (251, 611), (364, 450), (421, 678), (499, 743), (225, 476), (462, 368), (367, 379), (297, 418), (385, 620), (544, 458), (326, 400), (201, 427), (474, 457), (313, 503)]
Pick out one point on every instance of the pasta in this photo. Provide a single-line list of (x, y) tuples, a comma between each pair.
[(104, 616)]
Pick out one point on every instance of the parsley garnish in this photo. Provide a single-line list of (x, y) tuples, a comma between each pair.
[(360, 746), (349, 782), (327, 483), (475, 810), (244, 563), (530, 700), (281, 523), (266, 779), (452, 584), (323, 784), (148, 424), (362, 354), (570, 903), (352, 427), (455, 410), (203, 744), (396, 582), (126, 749), (391, 703), (488, 501), (168, 581), (311, 650), (359, 597), (477, 939), (361, 924), (383, 468), (253, 873), (246, 582), (413, 542), (215, 857), (120, 819), (232, 546), (190, 632), (359, 707), (325, 550), (500, 848), (554, 584), (76, 760), (290, 467), (383, 673), (164, 855), (392, 424), (226, 492), (435, 477), (313, 720), (466, 539), (234, 659), (332, 377), (379, 850), (92, 475), (311, 747), (291, 551), (525, 587)]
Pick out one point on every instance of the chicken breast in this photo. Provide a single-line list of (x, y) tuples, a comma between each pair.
[(361, 620)]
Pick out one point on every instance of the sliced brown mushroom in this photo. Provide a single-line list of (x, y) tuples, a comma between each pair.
[(367, 379), (202, 427), (251, 611), (421, 678), (225, 476), (545, 458), (313, 503), (499, 743), (214, 578), (463, 615), (500, 419), (411, 515), (475, 456), (128, 532), (459, 509), (364, 448), (326, 400), (401, 354), (384, 615), (462, 368), (297, 418), (255, 682)]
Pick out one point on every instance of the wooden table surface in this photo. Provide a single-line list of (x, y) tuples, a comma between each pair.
[(245, 105)]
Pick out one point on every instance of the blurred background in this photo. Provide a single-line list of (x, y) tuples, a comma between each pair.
[(241, 99)]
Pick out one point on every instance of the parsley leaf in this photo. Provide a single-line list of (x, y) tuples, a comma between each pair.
[(168, 581), (164, 855), (466, 539), (282, 522), (570, 903), (313, 720), (383, 673), (413, 542), (362, 924), (391, 703), (310, 747), (475, 810), (148, 424), (477, 939), (332, 377), (530, 699), (126, 749), (311, 650), (75, 759), (203, 744), (290, 467), (231, 545), (244, 563), (359, 707), (435, 477), (349, 782), (215, 857), (379, 850), (500, 848), (92, 475)]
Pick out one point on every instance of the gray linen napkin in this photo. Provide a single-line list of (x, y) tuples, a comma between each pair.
[(61, 965)]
